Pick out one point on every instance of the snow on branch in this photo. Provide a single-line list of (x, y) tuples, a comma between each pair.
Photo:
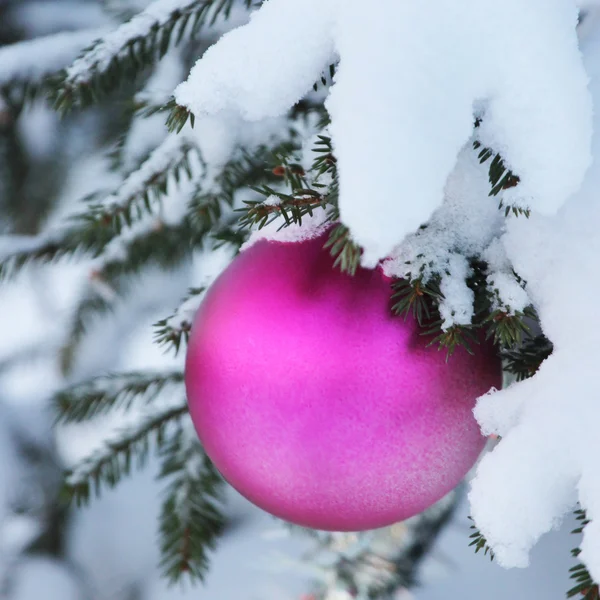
[(138, 43), (141, 189), (111, 392), (527, 81), (191, 520), (107, 465), (547, 459), (25, 66), (176, 328)]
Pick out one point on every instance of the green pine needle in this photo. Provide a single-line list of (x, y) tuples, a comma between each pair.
[(111, 392), (346, 253), (191, 520), (479, 542), (107, 466)]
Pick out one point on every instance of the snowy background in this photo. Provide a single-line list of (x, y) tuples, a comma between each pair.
[(109, 550)]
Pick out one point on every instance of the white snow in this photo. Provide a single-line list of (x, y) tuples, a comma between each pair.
[(37, 577), (33, 59), (547, 459), (420, 78), (312, 227), (468, 223), (250, 69)]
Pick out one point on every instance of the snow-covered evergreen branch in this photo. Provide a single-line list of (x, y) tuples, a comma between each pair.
[(25, 67), (136, 44), (191, 519), (111, 392), (115, 460)]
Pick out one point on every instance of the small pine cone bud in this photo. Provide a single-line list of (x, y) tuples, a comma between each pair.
[(279, 171)]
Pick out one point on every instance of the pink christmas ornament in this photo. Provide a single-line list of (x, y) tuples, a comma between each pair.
[(319, 405)]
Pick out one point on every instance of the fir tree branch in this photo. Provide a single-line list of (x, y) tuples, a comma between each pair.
[(165, 246), (346, 253), (135, 45), (92, 304), (479, 542), (585, 585), (107, 466), (291, 207), (176, 328), (454, 337), (111, 392), (191, 519), (244, 170), (140, 191), (501, 178), (417, 297), (508, 330), (46, 251), (525, 360), (26, 67), (91, 231)]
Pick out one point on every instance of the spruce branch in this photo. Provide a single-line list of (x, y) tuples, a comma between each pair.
[(165, 246), (245, 170), (140, 42), (92, 304), (508, 330), (325, 161), (140, 191), (292, 207), (454, 337), (191, 519), (345, 251), (418, 297), (501, 178), (479, 542), (108, 465), (174, 330), (117, 391), (92, 230), (28, 66), (525, 360), (46, 251), (584, 586)]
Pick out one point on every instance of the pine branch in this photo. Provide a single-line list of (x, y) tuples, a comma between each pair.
[(46, 251), (525, 360), (346, 253), (244, 170), (176, 328), (585, 585), (454, 337), (107, 466), (92, 305), (111, 392), (417, 297), (138, 194), (121, 55), (26, 67), (291, 207), (165, 246), (325, 161), (501, 178), (508, 330), (191, 519), (479, 542)]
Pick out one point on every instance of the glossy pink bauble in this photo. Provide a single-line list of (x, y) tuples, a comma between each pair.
[(317, 404)]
